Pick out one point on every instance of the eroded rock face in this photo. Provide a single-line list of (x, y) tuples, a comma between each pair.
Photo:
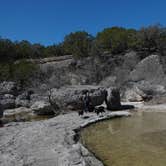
[(113, 99), (71, 97), (42, 108)]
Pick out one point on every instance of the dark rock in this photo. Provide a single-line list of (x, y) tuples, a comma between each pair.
[(113, 99), (1, 111), (8, 88)]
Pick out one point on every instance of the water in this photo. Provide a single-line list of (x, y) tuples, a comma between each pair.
[(24, 117), (139, 140)]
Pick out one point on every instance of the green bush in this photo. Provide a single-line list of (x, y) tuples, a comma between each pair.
[(4, 72), (24, 72)]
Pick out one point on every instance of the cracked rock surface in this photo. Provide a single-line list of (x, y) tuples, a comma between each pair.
[(48, 143)]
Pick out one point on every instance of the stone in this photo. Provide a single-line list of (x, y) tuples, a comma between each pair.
[(8, 88), (47, 143), (7, 101), (42, 108), (149, 69), (142, 91), (132, 96), (21, 103), (15, 111), (113, 99), (38, 97), (23, 100), (71, 96)]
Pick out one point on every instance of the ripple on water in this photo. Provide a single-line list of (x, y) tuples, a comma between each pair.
[(139, 140)]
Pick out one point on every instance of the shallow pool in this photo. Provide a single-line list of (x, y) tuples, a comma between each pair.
[(139, 140)]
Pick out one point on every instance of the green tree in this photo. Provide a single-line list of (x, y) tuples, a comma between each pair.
[(54, 50), (24, 50), (114, 39), (149, 37), (78, 44)]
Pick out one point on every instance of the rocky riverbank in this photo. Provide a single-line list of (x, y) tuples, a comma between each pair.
[(48, 143)]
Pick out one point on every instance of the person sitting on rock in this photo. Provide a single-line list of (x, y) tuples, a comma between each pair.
[(86, 102)]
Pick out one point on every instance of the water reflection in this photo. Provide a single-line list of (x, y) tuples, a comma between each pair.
[(139, 140)]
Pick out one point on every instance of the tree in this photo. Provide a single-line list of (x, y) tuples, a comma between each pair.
[(78, 44), (7, 51), (149, 38), (113, 39), (24, 50), (54, 50)]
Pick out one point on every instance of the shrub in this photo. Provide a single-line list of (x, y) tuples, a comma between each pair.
[(24, 72)]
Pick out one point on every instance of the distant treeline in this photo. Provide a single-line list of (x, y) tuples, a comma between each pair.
[(114, 40)]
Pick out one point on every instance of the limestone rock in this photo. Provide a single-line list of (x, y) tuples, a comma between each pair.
[(47, 143), (42, 108), (71, 97), (23, 100), (8, 87), (12, 112), (113, 99), (7, 101), (149, 69)]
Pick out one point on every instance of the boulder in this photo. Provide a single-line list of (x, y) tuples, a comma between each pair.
[(16, 114), (71, 97), (21, 103), (113, 99), (38, 97), (42, 108), (108, 81), (8, 88), (7, 101), (151, 89), (23, 100), (132, 95), (142, 91), (149, 69)]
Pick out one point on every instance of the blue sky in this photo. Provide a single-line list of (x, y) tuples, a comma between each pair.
[(48, 21)]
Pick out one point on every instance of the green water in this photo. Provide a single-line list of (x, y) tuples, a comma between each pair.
[(23, 117), (139, 140)]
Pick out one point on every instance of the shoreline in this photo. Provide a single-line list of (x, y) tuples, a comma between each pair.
[(53, 142)]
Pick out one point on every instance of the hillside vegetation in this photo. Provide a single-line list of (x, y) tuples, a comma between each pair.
[(112, 41)]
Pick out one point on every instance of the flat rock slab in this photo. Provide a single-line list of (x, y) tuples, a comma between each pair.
[(48, 143)]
